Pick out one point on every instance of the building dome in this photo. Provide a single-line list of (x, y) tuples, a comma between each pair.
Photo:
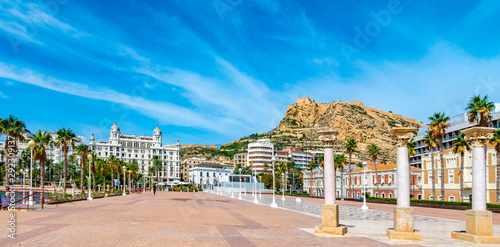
[(115, 127), (157, 130)]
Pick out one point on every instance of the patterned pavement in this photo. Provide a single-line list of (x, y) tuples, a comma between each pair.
[(373, 223)]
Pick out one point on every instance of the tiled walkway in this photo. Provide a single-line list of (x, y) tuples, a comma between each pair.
[(205, 219), (373, 223)]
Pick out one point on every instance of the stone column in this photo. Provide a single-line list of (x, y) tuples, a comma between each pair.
[(329, 211), (478, 220), (403, 213)]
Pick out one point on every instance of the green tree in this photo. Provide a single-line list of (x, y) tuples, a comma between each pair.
[(157, 166), (374, 152), (311, 166), (431, 144), (41, 139), (437, 128), (113, 162), (495, 141), (15, 130), (460, 145), (65, 138), (411, 151), (102, 167), (479, 110), (350, 147), (340, 161), (82, 150)]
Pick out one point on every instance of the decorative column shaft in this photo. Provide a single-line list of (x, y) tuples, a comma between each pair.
[(328, 137), (478, 137), (402, 136)]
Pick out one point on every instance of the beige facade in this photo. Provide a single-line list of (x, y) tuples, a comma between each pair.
[(452, 176), (240, 159)]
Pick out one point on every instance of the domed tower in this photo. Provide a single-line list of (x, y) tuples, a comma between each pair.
[(114, 135), (92, 139), (157, 137)]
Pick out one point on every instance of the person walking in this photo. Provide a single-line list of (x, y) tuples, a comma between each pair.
[(5, 202), (154, 189)]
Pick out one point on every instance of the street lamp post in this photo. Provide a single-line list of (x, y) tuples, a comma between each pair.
[(255, 189), (124, 180), (260, 190), (239, 176), (364, 186), (89, 157), (284, 179), (232, 188), (31, 143), (274, 205), (129, 182)]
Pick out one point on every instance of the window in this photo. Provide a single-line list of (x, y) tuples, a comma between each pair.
[(383, 195), (419, 197), (451, 199), (390, 195), (450, 177)]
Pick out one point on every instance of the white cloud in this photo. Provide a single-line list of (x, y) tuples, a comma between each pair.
[(167, 112)]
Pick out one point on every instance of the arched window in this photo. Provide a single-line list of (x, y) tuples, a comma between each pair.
[(419, 197), (383, 195), (390, 195), (358, 195), (451, 198)]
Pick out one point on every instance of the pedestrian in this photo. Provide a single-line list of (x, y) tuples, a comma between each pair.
[(154, 189), (5, 202)]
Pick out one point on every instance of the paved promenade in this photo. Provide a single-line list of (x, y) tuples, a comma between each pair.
[(204, 219)]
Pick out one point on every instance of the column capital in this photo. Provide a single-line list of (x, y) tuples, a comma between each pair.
[(328, 137), (478, 135), (402, 135)]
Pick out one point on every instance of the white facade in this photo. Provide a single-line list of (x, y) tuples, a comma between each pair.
[(203, 176), (142, 149), (260, 153)]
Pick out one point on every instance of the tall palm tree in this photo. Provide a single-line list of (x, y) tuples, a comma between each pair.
[(321, 160), (495, 140), (340, 161), (460, 145), (311, 166), (102, 168), (41, 140), (374, 152), (289, 167), (266, 167), (15, 130), (157, 166), (82, 150), (350, 147), (479, 110), (65, 138), (431, 144), (411, 151), (113, 162), (437, 128)]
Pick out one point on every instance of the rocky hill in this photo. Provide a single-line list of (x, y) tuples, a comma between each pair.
[(352, 119)]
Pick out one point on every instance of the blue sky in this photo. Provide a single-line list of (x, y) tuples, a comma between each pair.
[(213, 71)]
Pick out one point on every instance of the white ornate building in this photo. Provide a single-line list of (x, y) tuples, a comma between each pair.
[(142, 149)]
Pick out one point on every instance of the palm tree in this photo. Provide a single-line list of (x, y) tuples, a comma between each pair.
[(479, 110), (311, 166), (437, 128), (93, 167), (82, 150), (496, 142), (113, 162), (374, 152), (65, 139), (411, 151), (157, 166), (41, 139), (266, 166), (321, 160), (289, 168), (350, 147), (340, 161), (102, 168), (460, 145), (15, 130), (431, 144)]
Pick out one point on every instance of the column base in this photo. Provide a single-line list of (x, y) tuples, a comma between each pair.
[(475, 238), (328, 230), (479, 228), (330, 221), (415, 236)]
